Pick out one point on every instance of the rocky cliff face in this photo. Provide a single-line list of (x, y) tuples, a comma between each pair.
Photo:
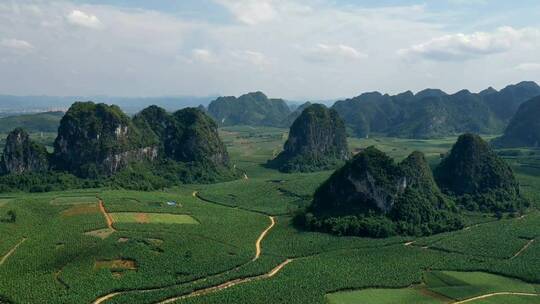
[(370, 181), (475, 172), (193, 137), (317, 141), (524, 128), (373, 196), (97, 139), (22, 155)]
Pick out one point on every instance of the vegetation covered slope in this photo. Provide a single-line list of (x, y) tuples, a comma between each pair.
[(96, 139), (373, 196), (506, 102), (98, 145), (433, 113), (40, 122), (249, 109), (193, 137), (481, 179), (524, 128), (22, 155), (317, 141)]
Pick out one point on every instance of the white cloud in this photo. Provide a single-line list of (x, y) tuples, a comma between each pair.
[(83, 19), (255, 58), (203, 55), (282, 47), (17, 45), (467, 46), (529, 66), (327, 52), (250, 11)]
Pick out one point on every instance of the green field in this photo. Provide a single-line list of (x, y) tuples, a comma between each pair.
[(382, 296), (61, 249), (73, 200), (446, 287), (152, 218)]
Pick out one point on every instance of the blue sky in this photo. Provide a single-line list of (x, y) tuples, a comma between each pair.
[(296, 49)]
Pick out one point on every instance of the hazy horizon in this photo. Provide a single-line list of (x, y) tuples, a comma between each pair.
[(296, 50)]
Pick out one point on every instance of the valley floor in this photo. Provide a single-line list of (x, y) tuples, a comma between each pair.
[(234, 243)]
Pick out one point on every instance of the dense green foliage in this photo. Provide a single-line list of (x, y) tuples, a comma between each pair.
[(250, 109), (155, 121), (97, 139), (44, 182), (193, 137), (103, 146), (317, 141), (481, 179), (21, 154), (39, 122), (373, 196), (524, 128), (433, 113)]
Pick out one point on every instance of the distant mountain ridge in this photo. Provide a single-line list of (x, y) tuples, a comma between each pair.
[(524, 128), (39, 122), (433, 113), (249, 109)]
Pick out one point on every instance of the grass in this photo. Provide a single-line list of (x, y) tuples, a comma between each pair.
[(508, 299), (381, 296), (152, 218), (5, 201), (442, 287), (73, 200), (466, 285)]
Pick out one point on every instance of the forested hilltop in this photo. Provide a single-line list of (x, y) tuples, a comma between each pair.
[(373, 196), (317, 141), (99, 145)]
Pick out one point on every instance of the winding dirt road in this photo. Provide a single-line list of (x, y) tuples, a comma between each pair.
[(228, 284), (11, 251), (489, 295), (261, 237), (107, 216), (212, 289)]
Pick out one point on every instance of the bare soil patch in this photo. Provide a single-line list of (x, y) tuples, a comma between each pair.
[(80, 210), (142, 218), (118, 264), (100, 233)]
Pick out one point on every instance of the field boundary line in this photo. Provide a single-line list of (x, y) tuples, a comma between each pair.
[(529, 243), (198, 195), (489, 295), (11, 251)]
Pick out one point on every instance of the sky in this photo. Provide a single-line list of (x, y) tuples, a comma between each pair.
[(293, 49)]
